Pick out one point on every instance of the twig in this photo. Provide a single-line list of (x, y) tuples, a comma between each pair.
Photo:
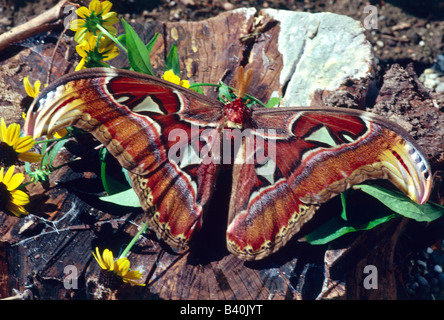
[(41, 23), (48, 75)]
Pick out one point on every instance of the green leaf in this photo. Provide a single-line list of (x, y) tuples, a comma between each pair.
[(28, 169), (337, 227), (198, 89), (150, 45), (122, 39), (274, 101), (126, 174), (126, 198), (56, 149), (368, 206), (172, 61), (110, 184), (224, 93), (138, 54), (344, 204), (399, 203), (360, 212)]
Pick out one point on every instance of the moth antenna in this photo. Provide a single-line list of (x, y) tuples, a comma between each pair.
[(244, 79), (248, 78)]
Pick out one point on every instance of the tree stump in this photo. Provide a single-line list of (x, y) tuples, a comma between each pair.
[(307, 59)]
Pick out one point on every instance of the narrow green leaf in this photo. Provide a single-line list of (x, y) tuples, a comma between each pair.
[(56, 149), (172, 61), (224, 93), (28, 168), (45, 155), (198, 89), (360, 211), (126, 174), (138, 54), (150, 44), (274, 101), (110, 184), (336, 227), (126, 198), (399, 203), (344, 205), (122, 39)]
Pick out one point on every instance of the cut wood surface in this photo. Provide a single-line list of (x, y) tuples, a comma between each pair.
[(307, 59)]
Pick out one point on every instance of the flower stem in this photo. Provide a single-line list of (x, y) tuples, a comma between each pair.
[(133, 241), (105, 32)]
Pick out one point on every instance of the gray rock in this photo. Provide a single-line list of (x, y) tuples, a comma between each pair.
[(320, 52)]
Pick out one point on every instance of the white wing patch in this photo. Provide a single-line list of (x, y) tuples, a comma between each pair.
[(323, 136), (267, 170), (189, 157), (148, 105)]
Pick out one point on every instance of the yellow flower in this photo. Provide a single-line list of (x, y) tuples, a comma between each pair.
[(98, 13), (12, 199), (60, 133), (13, 147), (32, 91), (92, 54), (170, 76), (121, 267)]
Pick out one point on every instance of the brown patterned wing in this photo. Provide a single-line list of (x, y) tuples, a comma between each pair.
[(302, 158), (153, 128)]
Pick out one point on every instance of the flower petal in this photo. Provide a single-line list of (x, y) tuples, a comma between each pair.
[(99, 260), (60, 133), (111, 29), (16, 209), (28, 87), (15, 181), (12, 134), (185, 83), (106, 7), (83, 12), (110, 18), (108, 259), (82, 49), (23, 144), (81, 35), (77, 24), (171, 77), (3, 129), (95, 6), (19, 197), (8, 176), (81, 65), (111, 54), (123, 265), (132, 276), (37, 85), (30, 157)]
